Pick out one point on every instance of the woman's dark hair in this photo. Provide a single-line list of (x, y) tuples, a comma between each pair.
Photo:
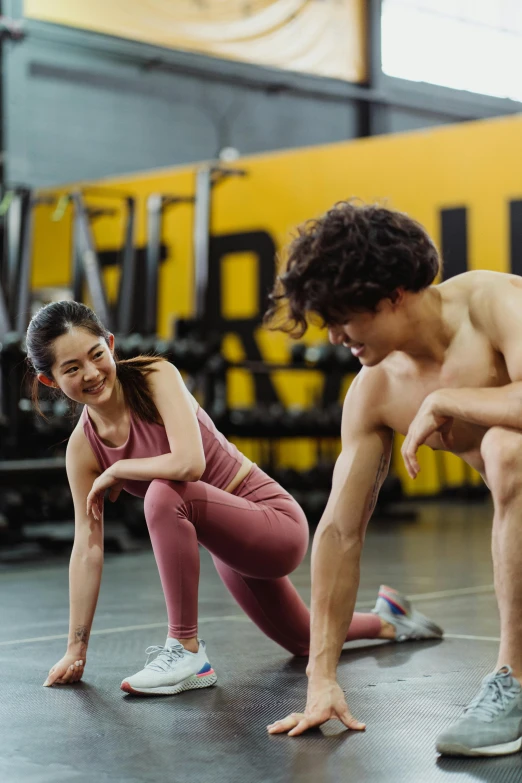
[(58, 318), (348, 260)]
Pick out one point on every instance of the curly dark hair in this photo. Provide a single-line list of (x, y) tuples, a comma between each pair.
[(348, 260)]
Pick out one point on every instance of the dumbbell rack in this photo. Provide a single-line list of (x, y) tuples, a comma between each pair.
[(273, 422)]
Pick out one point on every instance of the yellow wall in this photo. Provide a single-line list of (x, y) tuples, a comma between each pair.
[(324, 37), (476, 165)]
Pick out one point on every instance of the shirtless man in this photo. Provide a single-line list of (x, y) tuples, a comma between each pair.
[(442, 365)]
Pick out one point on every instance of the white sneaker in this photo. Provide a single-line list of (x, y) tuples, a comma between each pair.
[(173, 670), (394, 608)]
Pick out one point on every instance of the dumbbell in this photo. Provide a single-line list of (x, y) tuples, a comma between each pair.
[(12, 346), (131, 345), (190, 354), (243, 422), (259, 421), (325, 357), (306, 422)]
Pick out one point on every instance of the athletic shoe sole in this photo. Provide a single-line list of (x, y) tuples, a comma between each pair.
[(431, 630), (421, 626), (194, 681), (455, 749)]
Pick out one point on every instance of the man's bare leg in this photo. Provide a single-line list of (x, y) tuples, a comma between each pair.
[(502, 454), (492, 725)]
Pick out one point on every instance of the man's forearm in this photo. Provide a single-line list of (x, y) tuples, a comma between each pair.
[(490, 407), (335, 581)]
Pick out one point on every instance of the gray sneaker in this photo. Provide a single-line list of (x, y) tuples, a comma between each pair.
[(394, 608), (492, 724)]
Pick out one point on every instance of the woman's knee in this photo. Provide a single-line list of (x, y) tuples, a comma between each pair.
[(501, 451), (162, 499)]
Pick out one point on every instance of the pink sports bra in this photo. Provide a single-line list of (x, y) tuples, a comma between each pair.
[(223, 459)]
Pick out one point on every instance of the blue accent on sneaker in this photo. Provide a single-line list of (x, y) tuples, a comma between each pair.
[(394, 608), (206, 668)]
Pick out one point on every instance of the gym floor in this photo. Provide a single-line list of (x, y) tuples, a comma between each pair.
[(405, 693)]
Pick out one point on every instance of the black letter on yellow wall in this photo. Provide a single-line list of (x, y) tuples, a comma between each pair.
[(515, 236), (454, 241), (261, 244)]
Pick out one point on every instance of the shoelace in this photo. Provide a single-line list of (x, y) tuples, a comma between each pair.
[(491, 700), (165, 656)]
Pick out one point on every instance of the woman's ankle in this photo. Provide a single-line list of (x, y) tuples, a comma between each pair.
[(192, 644), (387, 630)]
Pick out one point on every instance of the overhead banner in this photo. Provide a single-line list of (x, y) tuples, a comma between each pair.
[(463, 182), (322, 37)]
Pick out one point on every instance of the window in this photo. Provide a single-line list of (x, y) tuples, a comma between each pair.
[(473, 45)]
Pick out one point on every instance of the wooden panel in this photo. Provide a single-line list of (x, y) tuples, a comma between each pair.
[(323, 37)]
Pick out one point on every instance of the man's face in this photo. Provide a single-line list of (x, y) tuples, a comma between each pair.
[(370, 336)]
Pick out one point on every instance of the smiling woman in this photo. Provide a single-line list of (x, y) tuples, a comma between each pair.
[(72, 351)]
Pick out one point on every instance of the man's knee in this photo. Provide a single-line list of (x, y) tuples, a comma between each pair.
[(501, 451)]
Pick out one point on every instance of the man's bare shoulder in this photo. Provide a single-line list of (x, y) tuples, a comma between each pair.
[(364, 399), (484, 293), (479, 285), (474, 283), (489, 295)]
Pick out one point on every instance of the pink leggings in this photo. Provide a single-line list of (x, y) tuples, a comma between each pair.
[(256, 537)]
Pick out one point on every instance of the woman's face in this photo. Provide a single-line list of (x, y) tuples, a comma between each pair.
[(84, 367)]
